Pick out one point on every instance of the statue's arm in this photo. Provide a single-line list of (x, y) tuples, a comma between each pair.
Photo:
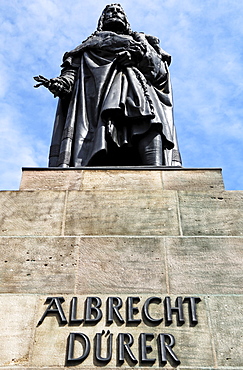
[(154, 64), (62, 86), (59, 86)]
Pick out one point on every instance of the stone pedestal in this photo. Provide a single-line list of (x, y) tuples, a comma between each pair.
[(121, 232)]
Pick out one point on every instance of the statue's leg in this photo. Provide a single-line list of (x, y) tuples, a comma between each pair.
[(150, 149)]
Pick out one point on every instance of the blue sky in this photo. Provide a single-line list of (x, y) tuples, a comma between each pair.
[(204, 38)]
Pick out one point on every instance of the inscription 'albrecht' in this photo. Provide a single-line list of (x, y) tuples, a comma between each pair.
[(93, 312), (115, 105)]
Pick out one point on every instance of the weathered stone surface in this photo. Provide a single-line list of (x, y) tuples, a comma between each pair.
[(178, 265), (226, 315), (31, 213), (109, 265), (122, 213), (121, 179), (38, 265), (205, 265), (212, 213), (48, 179), (16, 326), (88, 265), (126, 180), (50, 339), (193, 179), (110, 213)]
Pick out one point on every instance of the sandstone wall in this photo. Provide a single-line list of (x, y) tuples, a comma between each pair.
[(121, 233)]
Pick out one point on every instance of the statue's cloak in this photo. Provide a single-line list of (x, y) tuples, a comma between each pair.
[(110, 100)]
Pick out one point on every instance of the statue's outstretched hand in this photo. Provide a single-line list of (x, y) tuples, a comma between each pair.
[(42, 81), (55, 85)]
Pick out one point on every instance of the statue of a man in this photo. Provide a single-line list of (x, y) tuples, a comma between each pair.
[(115, 105)]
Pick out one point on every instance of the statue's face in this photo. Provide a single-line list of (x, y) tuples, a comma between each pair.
[(114, 19)]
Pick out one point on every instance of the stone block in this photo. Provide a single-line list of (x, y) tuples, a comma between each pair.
[(193, 179), (214, 213), (38, 265), (121, 265), (122, 213), (16, 327), (205, 265), (226, 316), (31, 213), (120, 178), (49, 179)]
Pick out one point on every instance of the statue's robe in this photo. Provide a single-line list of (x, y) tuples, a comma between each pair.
[(108, 100)]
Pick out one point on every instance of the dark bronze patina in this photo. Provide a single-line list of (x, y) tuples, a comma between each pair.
[(115, 105)]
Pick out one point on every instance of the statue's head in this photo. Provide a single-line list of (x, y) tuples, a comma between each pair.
[(113, 18)]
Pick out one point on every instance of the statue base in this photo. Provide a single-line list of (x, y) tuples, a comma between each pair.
[(114, 255), (121, 178)]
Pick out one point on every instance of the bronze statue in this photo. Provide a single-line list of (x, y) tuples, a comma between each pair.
[(115, 105)]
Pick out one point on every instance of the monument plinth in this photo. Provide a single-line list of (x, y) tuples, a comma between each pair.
[(126, 260), (116, 178)]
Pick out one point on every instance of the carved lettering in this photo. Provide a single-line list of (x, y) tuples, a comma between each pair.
[(54, 309), (93, 313), (147, 316), (131, 310), (178, 309), (145, 349), (85, 342)]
